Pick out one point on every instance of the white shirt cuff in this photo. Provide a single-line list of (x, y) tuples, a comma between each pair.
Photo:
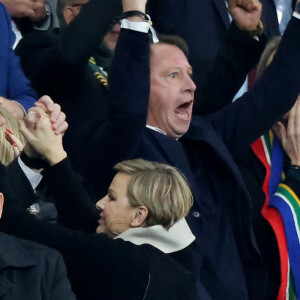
[(25, 113), (136, 26), (140, 27), (296, 15)]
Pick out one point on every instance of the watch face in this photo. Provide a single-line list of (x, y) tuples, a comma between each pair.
[(258, 31)]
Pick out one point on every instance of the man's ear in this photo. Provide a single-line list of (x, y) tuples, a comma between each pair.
[(140, 216), (1, 204), (70, 13)]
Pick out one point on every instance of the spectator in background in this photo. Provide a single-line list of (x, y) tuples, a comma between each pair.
[(32, 189), (29, 15), (16, 94), (274, 194), (203, 24), (29, 270), (73, 62)]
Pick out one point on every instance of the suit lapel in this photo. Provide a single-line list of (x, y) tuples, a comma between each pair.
[(202, 132), (173, 154), (222, 10)]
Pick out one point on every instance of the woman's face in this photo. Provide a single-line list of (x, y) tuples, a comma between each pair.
[(116, 212)]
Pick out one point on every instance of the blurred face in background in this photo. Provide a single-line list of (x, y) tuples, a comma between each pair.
[(111, 37)]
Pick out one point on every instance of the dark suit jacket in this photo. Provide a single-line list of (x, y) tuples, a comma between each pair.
[(230, 265), (203, 24), (31, 271), (24, 190), (13, 84)]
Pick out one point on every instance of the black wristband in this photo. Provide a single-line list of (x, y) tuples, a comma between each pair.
[(293, 172), (258, 31), (295, 167), (134, 13), (34, 163)]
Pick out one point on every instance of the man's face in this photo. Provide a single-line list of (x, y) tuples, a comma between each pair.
[(172, 90)]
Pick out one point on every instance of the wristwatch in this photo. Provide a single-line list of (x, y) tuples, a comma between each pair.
[(258, 31), (47, 21)]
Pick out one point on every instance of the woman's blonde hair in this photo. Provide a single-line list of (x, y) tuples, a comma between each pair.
[(7, 153), (270, 49), (160, 187)]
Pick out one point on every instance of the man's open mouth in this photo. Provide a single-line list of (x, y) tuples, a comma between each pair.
[(183, 111)]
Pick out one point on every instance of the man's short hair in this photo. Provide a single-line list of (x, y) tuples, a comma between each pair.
[(174, 40), (160, 187)]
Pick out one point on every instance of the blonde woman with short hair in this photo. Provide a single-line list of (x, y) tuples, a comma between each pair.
[(143, 247)]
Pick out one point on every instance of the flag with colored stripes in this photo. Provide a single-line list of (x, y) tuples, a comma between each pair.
[(282, 210)]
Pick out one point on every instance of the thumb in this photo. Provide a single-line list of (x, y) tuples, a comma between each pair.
[(26, 133), (280, 131)]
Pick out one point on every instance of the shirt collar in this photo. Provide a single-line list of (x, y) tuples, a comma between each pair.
[(178, 237), (34, 177), (156, 129)]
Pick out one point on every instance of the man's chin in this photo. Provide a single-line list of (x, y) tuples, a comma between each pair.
[(100, 229), (177, 134), (182, 130)]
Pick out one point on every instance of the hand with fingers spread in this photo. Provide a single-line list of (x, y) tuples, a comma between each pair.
[(37, 129), (245, 13), (16, 144), (12, 141), (57, 117), (288, 131)]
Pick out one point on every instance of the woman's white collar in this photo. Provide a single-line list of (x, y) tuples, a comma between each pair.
[(178, 237)]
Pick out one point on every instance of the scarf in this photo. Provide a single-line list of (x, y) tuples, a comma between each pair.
[(282, 210)]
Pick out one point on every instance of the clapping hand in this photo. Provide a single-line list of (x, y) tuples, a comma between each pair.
[(57, 117), (37, 128), (288, 131)]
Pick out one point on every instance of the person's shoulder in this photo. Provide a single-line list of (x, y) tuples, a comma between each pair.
[(3, 9), (36, 247), (4, 15), (37, 251), (37, 39)]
